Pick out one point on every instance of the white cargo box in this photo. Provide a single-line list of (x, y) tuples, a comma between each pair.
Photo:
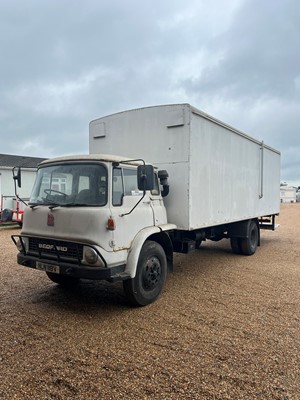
[(217, 174)]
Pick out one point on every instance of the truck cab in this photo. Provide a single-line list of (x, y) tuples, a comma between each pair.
[(89, 217)]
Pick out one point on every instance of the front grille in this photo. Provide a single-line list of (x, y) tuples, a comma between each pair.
[(55, 250)]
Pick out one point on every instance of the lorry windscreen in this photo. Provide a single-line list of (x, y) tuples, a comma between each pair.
[(76, 184)]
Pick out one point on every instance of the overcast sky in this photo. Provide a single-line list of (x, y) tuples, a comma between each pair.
[(66, 62)]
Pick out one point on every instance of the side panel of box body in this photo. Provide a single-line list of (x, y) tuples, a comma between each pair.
[(216, 173), (159, 135), (232, 176)]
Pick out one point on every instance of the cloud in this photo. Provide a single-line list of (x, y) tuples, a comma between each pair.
[(256, 57), (65, 63), (253, 79)]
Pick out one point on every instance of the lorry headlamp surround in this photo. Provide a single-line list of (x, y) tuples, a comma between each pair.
[(90, 255), (20, 246)]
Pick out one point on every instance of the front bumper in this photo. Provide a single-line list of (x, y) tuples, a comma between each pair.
[(111, 274)]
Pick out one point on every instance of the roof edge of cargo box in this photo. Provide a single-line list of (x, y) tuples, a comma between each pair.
[(195, 111)]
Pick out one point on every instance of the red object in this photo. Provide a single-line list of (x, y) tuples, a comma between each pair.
[(111, 224), (9, 216)]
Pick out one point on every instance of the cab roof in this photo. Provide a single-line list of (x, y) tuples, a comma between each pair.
[(93, 157)]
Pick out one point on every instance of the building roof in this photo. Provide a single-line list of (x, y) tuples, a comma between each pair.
[(8, 160)]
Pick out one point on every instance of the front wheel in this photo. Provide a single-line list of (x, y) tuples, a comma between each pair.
[(150, 276)]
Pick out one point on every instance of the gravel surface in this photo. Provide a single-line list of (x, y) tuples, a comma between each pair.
[(225, 327)]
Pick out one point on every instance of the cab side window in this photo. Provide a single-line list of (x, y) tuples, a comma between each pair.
[(117, 187), (124, 184), (155, 190), (130, 182)]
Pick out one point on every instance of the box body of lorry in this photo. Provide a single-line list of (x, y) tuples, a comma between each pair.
[(217, 174)]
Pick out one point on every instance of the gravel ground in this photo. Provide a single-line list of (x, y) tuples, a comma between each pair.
[(225, 327)]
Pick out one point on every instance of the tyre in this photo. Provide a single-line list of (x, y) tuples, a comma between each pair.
[(6, 215), (249, 245), (235, 243), (62, 280), (150, 276), (198, 244)]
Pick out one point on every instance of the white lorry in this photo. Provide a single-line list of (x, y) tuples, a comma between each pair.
[(101, 216)]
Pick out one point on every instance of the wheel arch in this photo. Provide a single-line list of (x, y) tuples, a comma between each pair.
[(164, 240), (156, 234)]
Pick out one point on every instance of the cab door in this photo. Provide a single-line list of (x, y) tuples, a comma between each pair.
[(129, 217), (157, 204)]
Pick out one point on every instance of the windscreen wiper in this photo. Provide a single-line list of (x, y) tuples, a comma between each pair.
[(74, 205), (50, 204), (53, 205)]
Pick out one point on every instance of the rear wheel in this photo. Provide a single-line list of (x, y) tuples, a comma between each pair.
[(198, 244), (150, 276), (250, 243), (62, 280)]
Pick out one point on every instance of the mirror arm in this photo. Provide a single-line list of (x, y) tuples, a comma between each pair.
[(122, 215), (17, 178)]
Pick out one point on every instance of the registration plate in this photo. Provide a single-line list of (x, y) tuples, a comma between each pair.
[(47, 267)]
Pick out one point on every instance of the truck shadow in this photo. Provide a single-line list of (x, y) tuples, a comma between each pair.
[(82, 297), (101, 296)]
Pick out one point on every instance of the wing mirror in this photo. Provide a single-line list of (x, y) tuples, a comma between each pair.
[(145, 177), (17, 175)]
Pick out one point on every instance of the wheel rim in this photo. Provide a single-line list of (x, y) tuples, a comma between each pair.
[(151, 273)]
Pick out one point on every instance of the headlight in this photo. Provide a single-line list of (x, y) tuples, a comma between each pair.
[(19, 246), (22, 244), (90, 255)]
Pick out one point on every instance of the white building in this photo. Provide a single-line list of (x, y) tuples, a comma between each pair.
[(7, 190), (287, 194)]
